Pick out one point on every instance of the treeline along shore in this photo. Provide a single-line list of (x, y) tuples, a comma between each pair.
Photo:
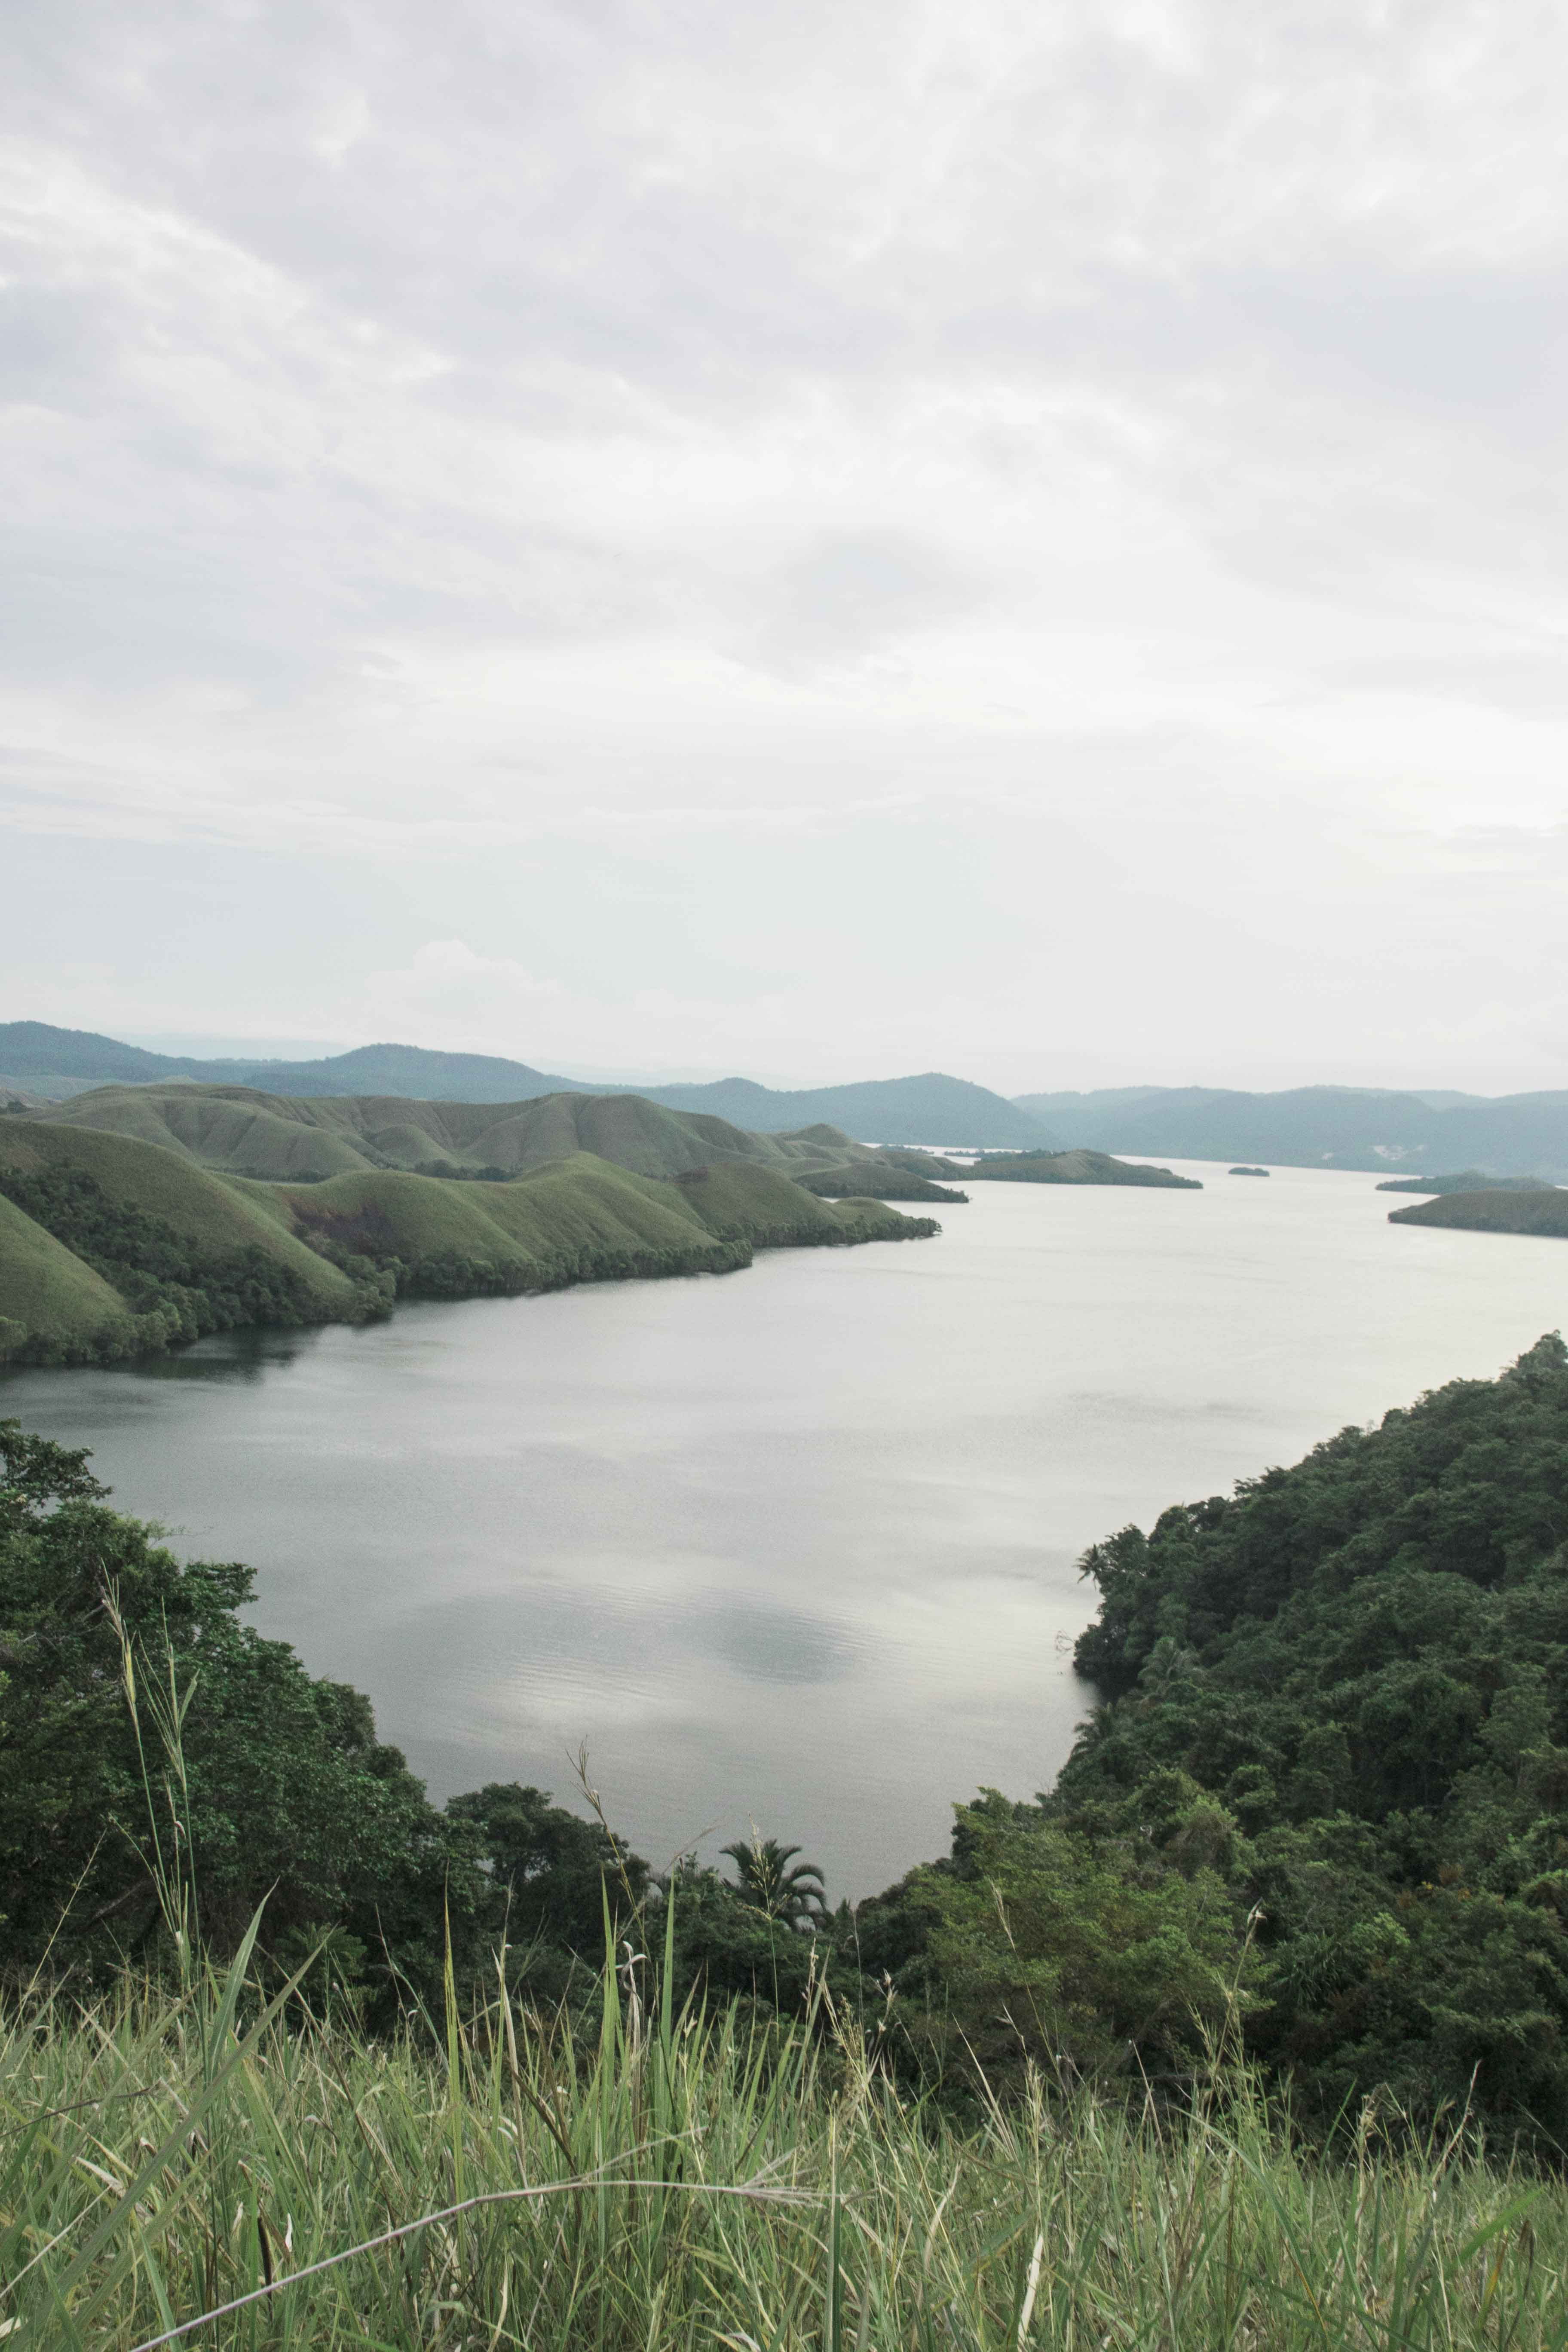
[(1282, 1962)]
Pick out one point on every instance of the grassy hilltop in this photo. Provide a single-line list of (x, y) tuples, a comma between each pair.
[(283, 1138), (111, 1245)]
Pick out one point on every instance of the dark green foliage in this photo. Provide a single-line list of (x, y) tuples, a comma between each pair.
[(453, 1173), (176, 1291), (552, 1874), (770, 1881), (1361, 1665)]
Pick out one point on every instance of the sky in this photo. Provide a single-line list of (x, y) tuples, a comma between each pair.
[(820, 540)]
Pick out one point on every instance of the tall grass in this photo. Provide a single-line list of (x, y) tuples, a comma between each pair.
[(664, 2180)]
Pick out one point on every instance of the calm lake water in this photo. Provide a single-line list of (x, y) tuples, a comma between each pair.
[(794, 1547)]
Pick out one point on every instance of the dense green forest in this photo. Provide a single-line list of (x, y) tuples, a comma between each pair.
[(1325, 1800)]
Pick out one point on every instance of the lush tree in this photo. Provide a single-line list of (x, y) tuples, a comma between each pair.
[(770, 1881)]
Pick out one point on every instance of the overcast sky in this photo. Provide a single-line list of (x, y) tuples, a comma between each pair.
[(820, 540)]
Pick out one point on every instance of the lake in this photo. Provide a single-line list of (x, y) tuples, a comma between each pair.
[(792, 1548)]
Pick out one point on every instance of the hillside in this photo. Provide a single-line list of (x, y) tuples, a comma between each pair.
[(1541, 1210), (1075, 1168), (246, 1133), (179, 1250), (110, 1245), (45, 1288), (1342, 1691), (1317, 1127)]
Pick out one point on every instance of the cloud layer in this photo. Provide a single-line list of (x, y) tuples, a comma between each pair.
[(829, 539)]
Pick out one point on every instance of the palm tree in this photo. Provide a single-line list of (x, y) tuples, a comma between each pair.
[(768, 1885)]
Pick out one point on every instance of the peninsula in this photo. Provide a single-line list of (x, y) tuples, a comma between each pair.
[(134, 1219), (1541, 1209)]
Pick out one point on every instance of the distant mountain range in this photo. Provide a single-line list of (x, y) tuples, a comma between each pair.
[(1392, 1132), (1317, 1127), (39, 1063)]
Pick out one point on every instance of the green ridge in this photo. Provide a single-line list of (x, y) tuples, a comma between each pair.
[(286, 1138)]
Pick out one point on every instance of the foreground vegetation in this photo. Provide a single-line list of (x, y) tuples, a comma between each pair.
[(1252, 2032), (499, 2176)]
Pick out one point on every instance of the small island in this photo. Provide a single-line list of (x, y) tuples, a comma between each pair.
[(1249, 1171), (1074, 1168)]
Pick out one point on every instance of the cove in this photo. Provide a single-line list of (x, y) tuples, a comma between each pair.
[(792, 1548)]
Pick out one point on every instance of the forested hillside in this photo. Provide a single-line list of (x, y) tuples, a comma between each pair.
[(1332, 1768)]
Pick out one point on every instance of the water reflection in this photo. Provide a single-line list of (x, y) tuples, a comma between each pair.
[(243, 1357)]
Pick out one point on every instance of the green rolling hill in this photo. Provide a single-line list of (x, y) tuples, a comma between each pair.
[(113, 1244), (286, 1138)]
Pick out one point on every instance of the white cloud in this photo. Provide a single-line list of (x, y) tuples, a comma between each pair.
[(451, 996), (815, 520)]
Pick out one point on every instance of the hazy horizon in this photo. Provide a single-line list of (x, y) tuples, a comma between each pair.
[(204, 1045), (817, 543)]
